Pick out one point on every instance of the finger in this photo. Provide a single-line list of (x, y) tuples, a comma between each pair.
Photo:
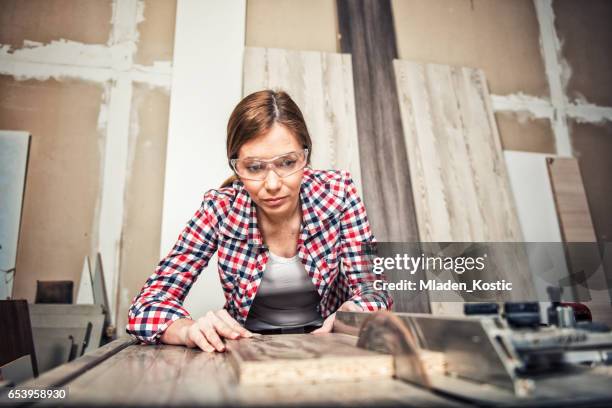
[(227, 318), (328, 324), (211, 336), (223, 329), (198, 339)]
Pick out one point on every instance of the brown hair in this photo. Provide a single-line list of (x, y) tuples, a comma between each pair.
[(256, 114)]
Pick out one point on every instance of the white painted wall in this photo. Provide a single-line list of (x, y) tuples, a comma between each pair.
[(533, 195), (206, 85), (14, 148)]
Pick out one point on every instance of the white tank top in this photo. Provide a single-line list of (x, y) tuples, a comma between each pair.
[(286, 297)]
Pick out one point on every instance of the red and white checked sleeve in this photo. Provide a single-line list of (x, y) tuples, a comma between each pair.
[(357, 250), (160, 302)]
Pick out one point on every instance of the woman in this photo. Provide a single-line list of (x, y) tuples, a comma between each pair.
[(281, 231)]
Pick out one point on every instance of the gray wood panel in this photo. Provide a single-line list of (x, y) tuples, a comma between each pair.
[(367, 33), (461, 186), (57, 322), (321, 84)]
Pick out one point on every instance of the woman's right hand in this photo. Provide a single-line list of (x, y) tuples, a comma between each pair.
[(206, 332)]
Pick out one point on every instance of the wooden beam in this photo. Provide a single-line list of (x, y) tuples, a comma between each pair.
[(582, 251)]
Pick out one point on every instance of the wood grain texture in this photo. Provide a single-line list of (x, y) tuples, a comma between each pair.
[(367, 32), (141, 375), (373, 393), (299, 358), (321, 84), (160, 375), (67, 372), (461, 187), (577, 229), (571, 201)]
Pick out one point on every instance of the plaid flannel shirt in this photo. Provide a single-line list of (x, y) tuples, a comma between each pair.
[(335, 230)]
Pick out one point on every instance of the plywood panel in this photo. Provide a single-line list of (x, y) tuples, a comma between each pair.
[(156, 32), (63, 176), (578, 231), (592, 145), (86, 21), (296, 25), (461, 187), (300, 358), (519, 131), (321, 84), (584, 30), (500, 37)]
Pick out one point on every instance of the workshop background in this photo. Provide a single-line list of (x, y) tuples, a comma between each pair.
[(127, 101)]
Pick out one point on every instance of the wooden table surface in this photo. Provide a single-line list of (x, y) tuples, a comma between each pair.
[(123, 373)]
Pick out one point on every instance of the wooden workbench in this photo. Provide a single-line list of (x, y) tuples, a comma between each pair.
[(124, 373)]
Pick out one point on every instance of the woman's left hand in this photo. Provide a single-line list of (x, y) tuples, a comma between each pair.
[(328, 324)]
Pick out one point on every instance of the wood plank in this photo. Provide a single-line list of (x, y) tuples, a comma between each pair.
[(67, 372), (537, 214), (582, 251), (299, 358), (367, 32), (321, 84), (461, 187), (163, 366), (219, 386), (113, 381), (373, 393), (571, 201), (162, 375)]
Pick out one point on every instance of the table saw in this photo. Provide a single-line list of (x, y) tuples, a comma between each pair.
[(371, 359)]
